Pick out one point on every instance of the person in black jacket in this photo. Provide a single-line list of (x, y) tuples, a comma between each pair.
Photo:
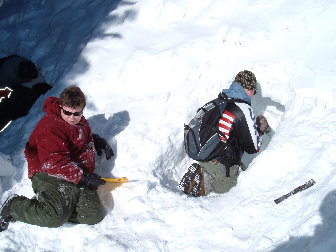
[(242, 132), (21, 77)]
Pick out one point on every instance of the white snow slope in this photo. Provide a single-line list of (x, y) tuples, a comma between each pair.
[(146, 66)]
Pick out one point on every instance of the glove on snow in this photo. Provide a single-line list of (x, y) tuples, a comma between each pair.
[(262, 125), (101, 144), (91, 181)]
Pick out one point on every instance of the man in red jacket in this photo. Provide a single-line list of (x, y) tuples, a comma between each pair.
[(61, 162)]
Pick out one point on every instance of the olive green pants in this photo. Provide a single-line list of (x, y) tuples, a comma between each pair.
[(215, 179), (57, 201)]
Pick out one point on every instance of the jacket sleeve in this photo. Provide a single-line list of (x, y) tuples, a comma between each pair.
[(246, 129), (55, 156)]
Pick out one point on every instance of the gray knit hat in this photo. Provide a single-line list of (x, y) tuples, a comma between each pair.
[(247, 79)]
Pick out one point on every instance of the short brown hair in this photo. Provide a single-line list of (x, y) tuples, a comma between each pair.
[(73, 97)]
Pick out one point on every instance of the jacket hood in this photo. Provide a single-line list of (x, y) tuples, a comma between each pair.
[(51, 105), (236, 91)]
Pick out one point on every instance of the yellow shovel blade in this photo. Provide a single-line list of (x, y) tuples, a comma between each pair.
[(115, 180)]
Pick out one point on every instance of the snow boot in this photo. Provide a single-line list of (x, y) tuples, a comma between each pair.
[(187, 180), (5, 216), (193, 181), (198, 187)]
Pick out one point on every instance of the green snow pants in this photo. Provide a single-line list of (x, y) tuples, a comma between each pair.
[(57, 201), (215, 179)]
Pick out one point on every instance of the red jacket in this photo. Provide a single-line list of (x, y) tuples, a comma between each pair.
[(58, 148)]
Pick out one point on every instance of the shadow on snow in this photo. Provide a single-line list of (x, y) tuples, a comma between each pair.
[(320, 241), (55, 52)]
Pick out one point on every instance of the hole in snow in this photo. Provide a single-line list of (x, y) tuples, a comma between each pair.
[(273, 112), (173, 163)]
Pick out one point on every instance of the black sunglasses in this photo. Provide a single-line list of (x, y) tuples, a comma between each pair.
[(68, 113)]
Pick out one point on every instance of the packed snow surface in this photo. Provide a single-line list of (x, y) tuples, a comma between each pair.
[(146, 66)]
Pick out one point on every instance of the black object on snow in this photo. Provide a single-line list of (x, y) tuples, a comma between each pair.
[(296, 190)]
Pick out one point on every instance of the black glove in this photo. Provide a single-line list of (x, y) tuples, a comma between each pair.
[(262, 125), (101, 144), (91, 180)]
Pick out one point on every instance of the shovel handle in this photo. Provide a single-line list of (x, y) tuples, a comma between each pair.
[(115, 180)]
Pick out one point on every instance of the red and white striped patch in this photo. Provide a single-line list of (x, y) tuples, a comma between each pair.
[(225, 124)]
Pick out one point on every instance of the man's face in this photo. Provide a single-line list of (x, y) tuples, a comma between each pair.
[(249, 92), (71, 115)]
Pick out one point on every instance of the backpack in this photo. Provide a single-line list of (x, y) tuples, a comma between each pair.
[(201, 135)]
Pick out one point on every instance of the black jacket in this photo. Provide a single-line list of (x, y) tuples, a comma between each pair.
[(239, 125)]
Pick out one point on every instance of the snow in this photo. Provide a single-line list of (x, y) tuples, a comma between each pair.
[(146, 66)]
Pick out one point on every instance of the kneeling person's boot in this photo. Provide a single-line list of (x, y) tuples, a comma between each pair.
[(193, 181), (5, 216), (198, 187)]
